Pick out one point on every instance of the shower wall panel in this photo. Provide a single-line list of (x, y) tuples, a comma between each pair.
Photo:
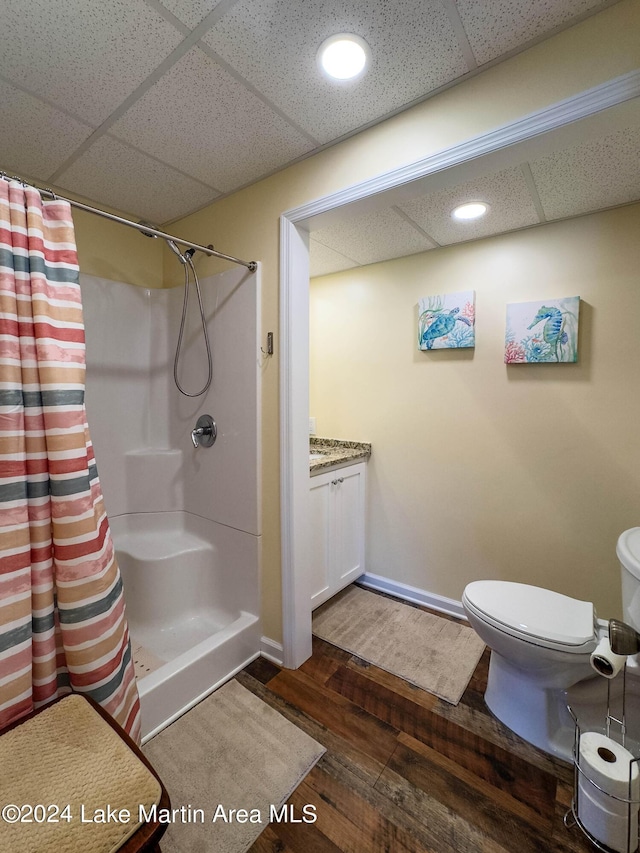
[(117, 327), (223, 479), (141, 425)]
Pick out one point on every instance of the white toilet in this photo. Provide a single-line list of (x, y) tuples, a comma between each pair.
[(541, 644)]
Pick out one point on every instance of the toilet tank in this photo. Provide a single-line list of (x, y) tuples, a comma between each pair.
[(628, 551)]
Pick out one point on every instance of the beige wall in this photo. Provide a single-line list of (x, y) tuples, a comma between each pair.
[(481, 470), (117, 252), (246, 223), (111, 250)]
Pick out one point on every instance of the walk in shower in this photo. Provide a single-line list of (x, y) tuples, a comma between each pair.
[(185, 520)]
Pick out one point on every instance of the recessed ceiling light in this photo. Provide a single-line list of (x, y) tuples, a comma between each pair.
[(343, 56), (471, 210)]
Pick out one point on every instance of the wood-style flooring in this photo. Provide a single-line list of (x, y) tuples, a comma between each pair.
[(405, 771)]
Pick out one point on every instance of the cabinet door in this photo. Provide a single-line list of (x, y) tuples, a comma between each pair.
[(349, 525), (321, 506)]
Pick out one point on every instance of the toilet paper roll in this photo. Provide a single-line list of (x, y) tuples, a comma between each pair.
[(606, 662), (608, 764), (618, 831), (610, 821)]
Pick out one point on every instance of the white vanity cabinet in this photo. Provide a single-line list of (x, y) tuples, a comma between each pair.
[(337, 504)]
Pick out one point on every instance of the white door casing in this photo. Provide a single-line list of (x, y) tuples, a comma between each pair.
[(294, 329)]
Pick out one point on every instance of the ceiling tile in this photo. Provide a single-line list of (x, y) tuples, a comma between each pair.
[(597, 174), (374, 237), (83, 55), (495, 27), (250, 99), (273, 45), (201, 120), (323, 260), (506, 193), (128, 180), (32, 122), (191, 12)]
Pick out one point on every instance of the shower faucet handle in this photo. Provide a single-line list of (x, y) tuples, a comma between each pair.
[(205, 432)]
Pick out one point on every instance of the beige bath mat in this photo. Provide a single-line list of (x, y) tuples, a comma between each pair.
[(232, 751), (433, 653)]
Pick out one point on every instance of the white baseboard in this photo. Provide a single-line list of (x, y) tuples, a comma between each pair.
[(413, 594), (272, 651)]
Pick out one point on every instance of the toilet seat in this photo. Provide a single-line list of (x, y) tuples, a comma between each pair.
[(535, 615)]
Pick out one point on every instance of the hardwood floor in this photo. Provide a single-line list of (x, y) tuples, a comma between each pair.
[(405, 771)]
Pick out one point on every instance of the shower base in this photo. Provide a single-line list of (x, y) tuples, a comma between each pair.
[(144, 661), (192, 608)]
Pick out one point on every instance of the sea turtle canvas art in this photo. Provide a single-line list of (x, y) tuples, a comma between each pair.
[(447, 320), (542, 331)]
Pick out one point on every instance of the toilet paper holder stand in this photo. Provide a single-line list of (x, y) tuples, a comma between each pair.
[(572, 817)]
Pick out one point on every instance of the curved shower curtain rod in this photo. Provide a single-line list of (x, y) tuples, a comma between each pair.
[(252, 266)]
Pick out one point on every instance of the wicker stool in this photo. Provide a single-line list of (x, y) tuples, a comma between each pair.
[(73, 782)]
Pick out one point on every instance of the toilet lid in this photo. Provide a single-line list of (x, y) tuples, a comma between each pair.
[(533, 612)]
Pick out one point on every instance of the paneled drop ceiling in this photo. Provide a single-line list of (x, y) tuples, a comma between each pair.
[(158, 109), (587, 167)]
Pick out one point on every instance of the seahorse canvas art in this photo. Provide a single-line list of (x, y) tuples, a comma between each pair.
[(542, 331), (447, 320)]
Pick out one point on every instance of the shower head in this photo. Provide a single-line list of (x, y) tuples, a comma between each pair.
[(176, 251), (623, 639), (147, 233)]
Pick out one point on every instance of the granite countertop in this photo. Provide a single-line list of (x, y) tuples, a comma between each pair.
[(325, 453)]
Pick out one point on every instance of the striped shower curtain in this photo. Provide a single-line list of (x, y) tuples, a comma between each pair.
[(62, 619)]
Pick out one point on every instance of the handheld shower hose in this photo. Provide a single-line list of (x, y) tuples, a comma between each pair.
[(187, 262)]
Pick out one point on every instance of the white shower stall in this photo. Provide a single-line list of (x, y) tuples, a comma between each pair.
[(185, 520)]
